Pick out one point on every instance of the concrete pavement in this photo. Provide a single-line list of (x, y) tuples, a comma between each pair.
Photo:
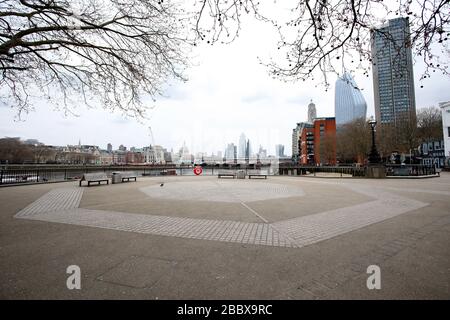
[(191, 238)]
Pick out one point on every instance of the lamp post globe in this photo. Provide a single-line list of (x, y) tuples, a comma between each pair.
[(374, 156)]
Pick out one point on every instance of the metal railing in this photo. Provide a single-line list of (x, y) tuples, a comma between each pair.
[(27, 174), (397, 170), (292, 169), (23, 174)]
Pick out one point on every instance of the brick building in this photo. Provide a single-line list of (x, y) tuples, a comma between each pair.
[(317, 142)]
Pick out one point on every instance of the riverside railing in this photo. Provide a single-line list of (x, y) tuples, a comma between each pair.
[(398, 170), (341, 171), (27, 174)]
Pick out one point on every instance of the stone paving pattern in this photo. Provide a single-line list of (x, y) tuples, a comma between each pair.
[(204, 229), (325, 225), (131, 245), (61, 206), (56, 200)]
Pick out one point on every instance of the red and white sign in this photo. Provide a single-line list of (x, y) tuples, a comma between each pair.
[(198, 170)]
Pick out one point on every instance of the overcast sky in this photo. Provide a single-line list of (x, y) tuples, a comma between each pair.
[(228, 93)]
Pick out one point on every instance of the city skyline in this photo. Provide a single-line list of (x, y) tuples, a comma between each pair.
[(218, 103), (111, 147)]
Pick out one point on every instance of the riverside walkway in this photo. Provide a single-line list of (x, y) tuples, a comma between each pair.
[(200, 237)]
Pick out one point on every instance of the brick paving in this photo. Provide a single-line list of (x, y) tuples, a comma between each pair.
[(62, 206), (325, 225), (204, 229), (56, 200)]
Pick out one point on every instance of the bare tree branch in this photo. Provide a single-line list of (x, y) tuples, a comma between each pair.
[(112, 51), (323, 36)]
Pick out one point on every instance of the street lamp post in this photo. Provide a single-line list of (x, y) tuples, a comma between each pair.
[(374, 156)]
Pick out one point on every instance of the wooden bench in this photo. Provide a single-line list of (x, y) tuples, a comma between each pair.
[(128, 176), (227, 174), (94, 177), (258, 175)]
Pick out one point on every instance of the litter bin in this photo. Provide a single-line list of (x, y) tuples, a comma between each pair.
[(240, 174), (116, 177)]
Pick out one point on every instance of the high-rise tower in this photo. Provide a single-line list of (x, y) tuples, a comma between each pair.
[(312, 113), (393, 77), (349, 103), (242, 146)]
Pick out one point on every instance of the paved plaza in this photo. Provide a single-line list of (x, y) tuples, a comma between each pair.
[(208, 238)]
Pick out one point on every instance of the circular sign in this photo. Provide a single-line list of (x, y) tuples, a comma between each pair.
[(198, 170)]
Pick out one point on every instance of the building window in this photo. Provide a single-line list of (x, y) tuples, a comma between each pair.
[(448, 128)]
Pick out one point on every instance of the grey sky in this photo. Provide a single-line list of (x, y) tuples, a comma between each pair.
[(228, 92)]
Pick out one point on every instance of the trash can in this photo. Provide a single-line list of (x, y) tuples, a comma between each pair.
[(116, 177), (240, 174)]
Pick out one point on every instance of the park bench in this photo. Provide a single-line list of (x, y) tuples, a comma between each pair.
[(94, 177), (227, 174), (257, 175), (128, 175)]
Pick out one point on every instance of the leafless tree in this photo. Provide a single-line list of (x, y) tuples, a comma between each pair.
[(327, 149), (113, 51), (386, 139), (13, 150), (402, 137), (43, 153), (429, 122), (322, 36), (406, 132), (72, 52), (353, 141)]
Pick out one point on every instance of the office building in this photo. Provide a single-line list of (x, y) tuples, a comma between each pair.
[(349, 103), (393, 78), (242, 146), (312, 113), (231, 153), (279, 151)]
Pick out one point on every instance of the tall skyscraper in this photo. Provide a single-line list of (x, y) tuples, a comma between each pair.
[(312, 113), (349, 103), (393, 78), (109, 147), (231, 152), (247, 152), (262, 153), (242, 146), (279, 150)]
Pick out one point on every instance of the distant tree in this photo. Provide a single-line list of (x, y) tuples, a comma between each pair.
[(429, 122), (406, 132), (43, 153), (353, 141), (400, 136), (68, 52), (386, 139), (13, 150), (327, 149)]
